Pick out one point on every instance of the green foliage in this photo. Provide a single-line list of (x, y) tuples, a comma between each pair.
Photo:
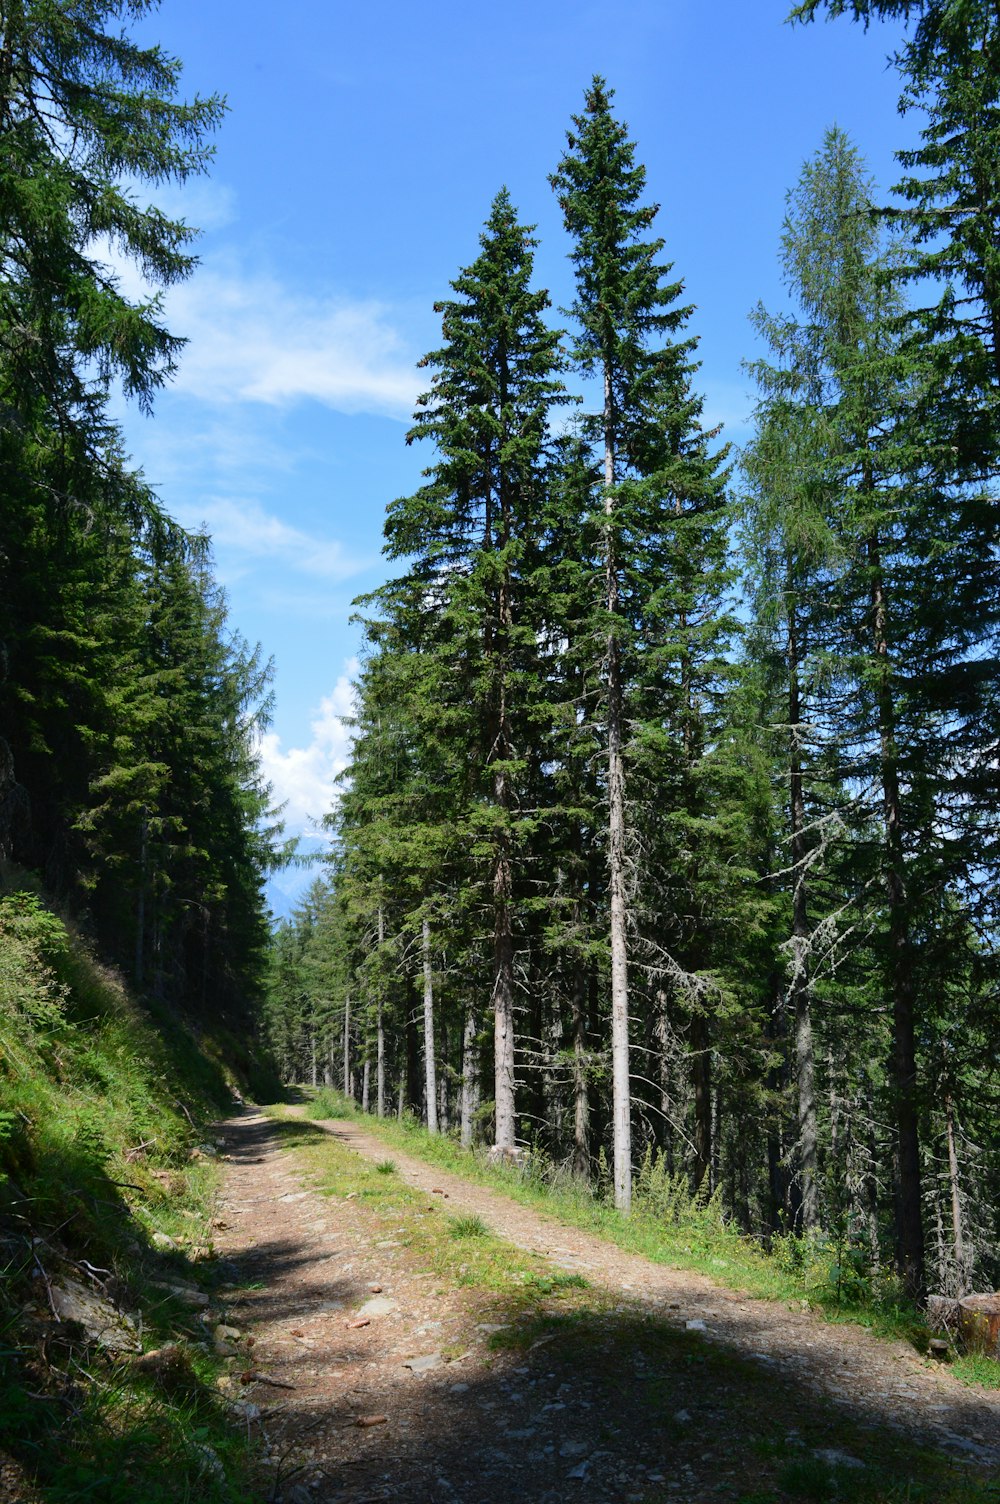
[(101, 1110)]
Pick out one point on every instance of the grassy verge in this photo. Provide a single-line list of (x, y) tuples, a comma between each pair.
[(752, 1442), (106, 1206), (668, 1226)]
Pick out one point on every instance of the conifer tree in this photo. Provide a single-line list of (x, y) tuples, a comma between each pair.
[(654, 456), (469, 532)]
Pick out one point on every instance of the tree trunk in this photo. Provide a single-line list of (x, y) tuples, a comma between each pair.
[(314, 1078), (347, 1046), (956, 1199), (470, 1081), (364, 1086), (380, 1028), (800, 986), (701, 1081), (140, 917), (443, 1080), (617, 879), (430, 1082), (581, 1103), (910, 1227)]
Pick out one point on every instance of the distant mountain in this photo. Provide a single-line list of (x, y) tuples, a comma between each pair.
[(286, 889)]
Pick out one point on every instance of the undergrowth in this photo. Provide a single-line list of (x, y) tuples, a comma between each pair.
[(671, 1225), (104, 1188)]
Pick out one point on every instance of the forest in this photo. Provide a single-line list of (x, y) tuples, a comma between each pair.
[(669, 835), (670, 832)]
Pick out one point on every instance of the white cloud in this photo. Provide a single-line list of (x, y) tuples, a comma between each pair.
[(303, 777), (254, 339), (243, 533)]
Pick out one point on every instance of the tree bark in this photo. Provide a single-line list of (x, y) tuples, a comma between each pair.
[(956, 1199), (347, 1046), (470, 1079), (617, 877), (365, 1075), (380, 1028), (581, 1103), (910, 1227), (701, 1080), (800, 986), (430, 1081)]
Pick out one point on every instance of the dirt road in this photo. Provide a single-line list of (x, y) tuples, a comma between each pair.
[(382, 1379)]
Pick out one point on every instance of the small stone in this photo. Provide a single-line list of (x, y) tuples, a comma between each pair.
[(186, 1294), (695, 1326), (682, 1417), (834, 1458), (163, 1241), (423, 1364), (379, 1305), (573, 1448)]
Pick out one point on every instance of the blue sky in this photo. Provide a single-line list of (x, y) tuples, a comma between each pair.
[(362, 149)]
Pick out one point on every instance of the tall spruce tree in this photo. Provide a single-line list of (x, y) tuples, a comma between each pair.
[(465, 608), (654, 455)]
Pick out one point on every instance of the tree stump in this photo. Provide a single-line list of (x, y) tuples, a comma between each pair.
[(979, 1324)]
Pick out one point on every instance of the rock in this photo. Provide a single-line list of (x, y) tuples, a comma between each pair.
[(186, 1294), (379, 1305), (210, 1461), (682, 1417), (171, 1367), (102, 1322), (695, 1326), (834, 1458), (364, 1421), (164, 1241), (423, 1364), (571, 1448), (223, 1339), (939, 1349)]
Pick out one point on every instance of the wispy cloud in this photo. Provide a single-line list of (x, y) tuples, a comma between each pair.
[(245, 533), (303, 778), (254, 339)]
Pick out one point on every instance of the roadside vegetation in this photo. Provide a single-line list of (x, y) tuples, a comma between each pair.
[(107, 1178)]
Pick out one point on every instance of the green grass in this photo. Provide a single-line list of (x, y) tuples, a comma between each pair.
[(668, 1226), (103, 1105), (977, 1369), (467, 1227)]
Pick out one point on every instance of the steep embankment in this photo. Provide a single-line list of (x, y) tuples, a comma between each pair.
[(107, 1188)]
